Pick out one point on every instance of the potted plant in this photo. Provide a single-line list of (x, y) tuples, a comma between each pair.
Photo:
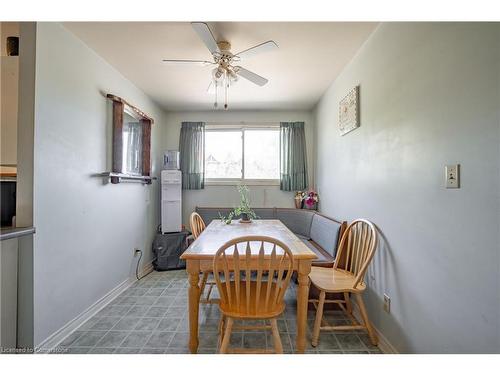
[(311, 200), (243, 210)]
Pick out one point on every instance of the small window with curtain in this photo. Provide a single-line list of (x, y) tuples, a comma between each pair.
[(242, 153), (132, 146)]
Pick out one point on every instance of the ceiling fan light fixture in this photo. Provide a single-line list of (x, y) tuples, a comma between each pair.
[(218, 74), (233, 77), (225, 73)]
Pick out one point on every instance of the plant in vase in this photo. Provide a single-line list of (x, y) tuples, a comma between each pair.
[(243, 210), (311, 200), (299, 197)]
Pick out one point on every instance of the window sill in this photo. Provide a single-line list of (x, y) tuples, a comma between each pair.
[(115, 178), (221, 182)]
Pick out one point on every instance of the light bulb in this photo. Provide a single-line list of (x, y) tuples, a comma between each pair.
[(233, 77), (218, 73)]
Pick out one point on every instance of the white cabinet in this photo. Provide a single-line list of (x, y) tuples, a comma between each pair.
[(171, 201), (8, 293)]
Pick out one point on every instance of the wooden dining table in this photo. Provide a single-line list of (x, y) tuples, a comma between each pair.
[(200, 255)]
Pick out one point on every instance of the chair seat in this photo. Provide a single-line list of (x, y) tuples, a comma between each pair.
[(332, 281), (255, 310)]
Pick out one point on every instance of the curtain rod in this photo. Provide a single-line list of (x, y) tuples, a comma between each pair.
[(242, 122)]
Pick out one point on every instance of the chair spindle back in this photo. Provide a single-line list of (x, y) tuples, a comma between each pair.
[(252, 273), (197, 224), (358, 242)]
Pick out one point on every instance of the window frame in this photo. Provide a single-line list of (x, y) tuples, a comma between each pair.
[(125, 154), (242, 127), (121, 106)]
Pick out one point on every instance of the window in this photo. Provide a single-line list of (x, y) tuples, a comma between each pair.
[(262, 154), (132, 146), (223, 158), (131, 151), (242, 153)]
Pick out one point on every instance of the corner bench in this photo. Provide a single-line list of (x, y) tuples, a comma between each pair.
[(319, 232)]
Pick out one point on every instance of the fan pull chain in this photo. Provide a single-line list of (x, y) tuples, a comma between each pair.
[(226, 86), (215, 103)]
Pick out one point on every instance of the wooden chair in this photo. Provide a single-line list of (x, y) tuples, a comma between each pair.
[(197, 226), (356, 250), (252, 274)]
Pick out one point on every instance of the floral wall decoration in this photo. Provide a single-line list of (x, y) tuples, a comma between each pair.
[(349, 112)]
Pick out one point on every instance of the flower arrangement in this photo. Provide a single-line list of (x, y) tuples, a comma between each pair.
[(299, 196), (306, 199), (311, 199), (243, 210)]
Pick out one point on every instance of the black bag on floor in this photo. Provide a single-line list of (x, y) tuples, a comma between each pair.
[(167, 249)]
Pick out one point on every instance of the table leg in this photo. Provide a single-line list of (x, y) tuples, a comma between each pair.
[(304, 269), (193, 269)]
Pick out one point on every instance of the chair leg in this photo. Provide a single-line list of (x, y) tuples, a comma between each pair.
[(278, 347), (227, 336), (319, 316), (348, 302), (221, 331), (203, 283), (364, 315)]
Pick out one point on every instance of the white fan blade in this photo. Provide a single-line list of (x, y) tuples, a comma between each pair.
[(251, 76), (186, 62), (206, 36), (270, 45)]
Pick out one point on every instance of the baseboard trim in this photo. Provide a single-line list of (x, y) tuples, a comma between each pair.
[(57, 337), (145, 270), (384, 344)]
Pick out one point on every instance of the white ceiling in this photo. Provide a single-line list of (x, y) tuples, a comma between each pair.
[(310, 57)]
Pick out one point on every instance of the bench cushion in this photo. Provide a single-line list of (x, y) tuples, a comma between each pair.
[(325, 232), (324, 259), (298, 221)]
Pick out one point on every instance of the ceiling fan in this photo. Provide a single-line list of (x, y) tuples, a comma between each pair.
[(225, 71)]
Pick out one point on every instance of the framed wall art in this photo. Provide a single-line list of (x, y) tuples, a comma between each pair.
[(349, 111)]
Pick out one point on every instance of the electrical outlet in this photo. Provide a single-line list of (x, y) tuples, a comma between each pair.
[(452, 175), (137, 252), (387, 303)]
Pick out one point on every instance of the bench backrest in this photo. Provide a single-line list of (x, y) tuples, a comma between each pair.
[(325, 232)]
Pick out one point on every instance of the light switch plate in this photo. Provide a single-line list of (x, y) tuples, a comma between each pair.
[(452, 176)]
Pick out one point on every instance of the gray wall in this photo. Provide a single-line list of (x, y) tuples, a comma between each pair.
[(86, 231), (227, 196), (429, 96)]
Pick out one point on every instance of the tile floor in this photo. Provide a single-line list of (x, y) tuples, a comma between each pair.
[(151, 317)]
